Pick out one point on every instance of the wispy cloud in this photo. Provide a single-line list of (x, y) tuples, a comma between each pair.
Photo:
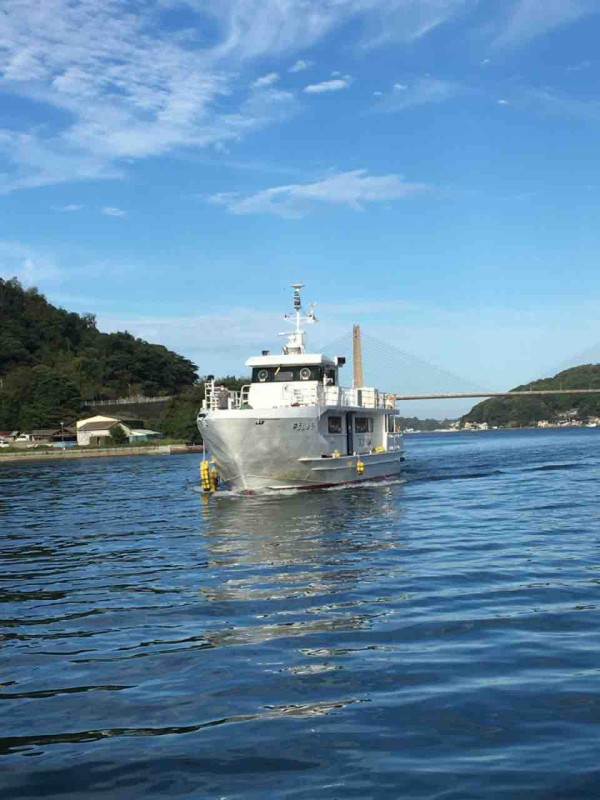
[(531, 18), (27, 264), (410, 20), (113, 211), (333, 85), (300, 65), (354, 189), (126, 88), (69, 208), (35, 266), (549, 103), (422, 92), (265, 80)]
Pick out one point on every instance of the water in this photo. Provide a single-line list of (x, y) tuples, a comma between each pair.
[(432, 638)]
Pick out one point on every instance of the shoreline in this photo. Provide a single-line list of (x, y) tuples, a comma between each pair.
[(106, 452)]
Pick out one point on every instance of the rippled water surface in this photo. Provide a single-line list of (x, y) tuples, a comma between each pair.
[(436, 637)]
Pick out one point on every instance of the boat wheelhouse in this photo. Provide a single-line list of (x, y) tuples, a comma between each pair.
[(294, 426)]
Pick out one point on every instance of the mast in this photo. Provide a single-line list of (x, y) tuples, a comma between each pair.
[(295, 343), (358, 379)]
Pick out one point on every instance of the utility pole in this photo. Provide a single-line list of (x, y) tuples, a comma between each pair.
[(358, 377)]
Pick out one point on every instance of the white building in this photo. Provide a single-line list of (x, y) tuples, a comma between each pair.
[(95, 430)]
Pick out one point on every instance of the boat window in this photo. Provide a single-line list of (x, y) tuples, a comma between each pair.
[(334, 424), (363, 424), (281, 373), (330, 375)]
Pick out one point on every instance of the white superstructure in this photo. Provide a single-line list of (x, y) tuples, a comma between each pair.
[(294, 426)]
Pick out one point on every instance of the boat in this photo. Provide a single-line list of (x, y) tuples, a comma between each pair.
[(294, 426)]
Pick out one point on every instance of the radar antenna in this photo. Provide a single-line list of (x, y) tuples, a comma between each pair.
[(295, 343)]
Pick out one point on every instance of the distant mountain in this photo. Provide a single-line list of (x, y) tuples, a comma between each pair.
[(517, 412), (418, 424), (51, 360)]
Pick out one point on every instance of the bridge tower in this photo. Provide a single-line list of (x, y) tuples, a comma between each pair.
[(357, 362)]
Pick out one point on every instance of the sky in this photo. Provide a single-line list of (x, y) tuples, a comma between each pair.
[(428, 168)]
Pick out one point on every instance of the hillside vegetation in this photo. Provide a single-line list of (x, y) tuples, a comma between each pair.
[(51, 360), (517, 412)]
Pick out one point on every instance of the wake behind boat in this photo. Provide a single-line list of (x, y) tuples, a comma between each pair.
[(295, 427)]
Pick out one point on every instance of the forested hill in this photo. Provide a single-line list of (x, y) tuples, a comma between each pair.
[(516, 412), (52, 359)]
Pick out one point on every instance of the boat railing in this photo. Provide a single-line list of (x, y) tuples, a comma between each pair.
[(220, 398), (364, 397)]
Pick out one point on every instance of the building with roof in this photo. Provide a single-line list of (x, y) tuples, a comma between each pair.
[(96, 430)]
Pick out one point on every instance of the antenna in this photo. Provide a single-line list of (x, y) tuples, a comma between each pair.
[(297, 301), (295, 343)]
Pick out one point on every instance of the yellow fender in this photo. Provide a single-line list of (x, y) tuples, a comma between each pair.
[(214, 479), (360, 467), (205, 477)]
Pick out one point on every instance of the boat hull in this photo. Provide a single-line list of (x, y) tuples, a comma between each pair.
[(285, 449)]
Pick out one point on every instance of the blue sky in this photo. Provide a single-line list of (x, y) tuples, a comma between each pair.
[(428, 168)]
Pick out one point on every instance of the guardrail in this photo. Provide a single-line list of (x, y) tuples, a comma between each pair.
[(219, 398), (124, 401)]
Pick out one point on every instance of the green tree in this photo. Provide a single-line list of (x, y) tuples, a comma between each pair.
[(80, 358), (118, 435)]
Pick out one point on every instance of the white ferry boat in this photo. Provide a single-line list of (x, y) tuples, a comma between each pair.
[(295, 427)]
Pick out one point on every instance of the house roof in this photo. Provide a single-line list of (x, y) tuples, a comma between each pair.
[(107, 421), (99, 426), (53, 431)]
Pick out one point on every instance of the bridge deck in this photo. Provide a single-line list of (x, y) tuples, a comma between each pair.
[(532, 393)]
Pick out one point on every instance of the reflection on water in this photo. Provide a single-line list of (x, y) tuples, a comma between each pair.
[(307, 545)]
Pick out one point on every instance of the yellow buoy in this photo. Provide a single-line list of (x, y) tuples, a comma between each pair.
[(360, 467), (205, 478)]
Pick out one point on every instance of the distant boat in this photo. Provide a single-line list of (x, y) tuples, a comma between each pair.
[(295, 427)]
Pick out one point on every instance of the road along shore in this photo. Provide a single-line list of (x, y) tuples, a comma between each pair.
[(107, 452)]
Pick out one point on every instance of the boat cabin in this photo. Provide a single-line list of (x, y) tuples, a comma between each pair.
[(285, 380)]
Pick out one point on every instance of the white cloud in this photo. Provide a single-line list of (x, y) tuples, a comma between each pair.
[(327, 86), (39, 267), (503, 103), (123, 88), (551, 104), (353, 189), (265, 80), (421, 92), (112, 211), (531, 18), (28, 265), (300, 65), (70, 207)]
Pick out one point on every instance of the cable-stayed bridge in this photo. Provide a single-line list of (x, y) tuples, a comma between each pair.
[(422, 380)]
